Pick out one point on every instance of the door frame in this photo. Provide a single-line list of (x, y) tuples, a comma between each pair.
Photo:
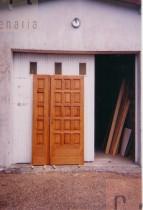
[(138, 115), (138, 100)]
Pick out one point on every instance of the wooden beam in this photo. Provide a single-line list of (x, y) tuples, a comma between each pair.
[(117, 107), (117, 136)]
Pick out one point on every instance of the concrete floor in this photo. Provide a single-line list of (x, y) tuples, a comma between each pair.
[(103, 163)]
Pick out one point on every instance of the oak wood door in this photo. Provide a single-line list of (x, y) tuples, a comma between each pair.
[(66, 114), (41, 140)]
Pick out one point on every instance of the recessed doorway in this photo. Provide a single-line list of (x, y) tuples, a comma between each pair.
[(111, 71)]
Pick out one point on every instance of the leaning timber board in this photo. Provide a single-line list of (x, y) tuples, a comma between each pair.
[(117, 137), (125, 140), (117, 107)]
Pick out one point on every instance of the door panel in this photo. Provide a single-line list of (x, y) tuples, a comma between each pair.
[(66, 127), (41, 94)]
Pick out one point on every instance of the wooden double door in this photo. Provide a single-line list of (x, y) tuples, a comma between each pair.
[(57, 120)]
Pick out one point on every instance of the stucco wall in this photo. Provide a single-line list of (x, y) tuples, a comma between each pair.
[(104, 27)]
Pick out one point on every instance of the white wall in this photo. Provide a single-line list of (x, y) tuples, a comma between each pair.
[(104, 27), (22, 100)]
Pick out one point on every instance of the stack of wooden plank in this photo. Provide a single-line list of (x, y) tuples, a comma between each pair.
[(118, 121)]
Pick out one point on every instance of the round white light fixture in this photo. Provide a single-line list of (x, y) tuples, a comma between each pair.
[(76, 23)]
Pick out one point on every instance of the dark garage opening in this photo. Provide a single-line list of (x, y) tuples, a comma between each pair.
[(110, 71)]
